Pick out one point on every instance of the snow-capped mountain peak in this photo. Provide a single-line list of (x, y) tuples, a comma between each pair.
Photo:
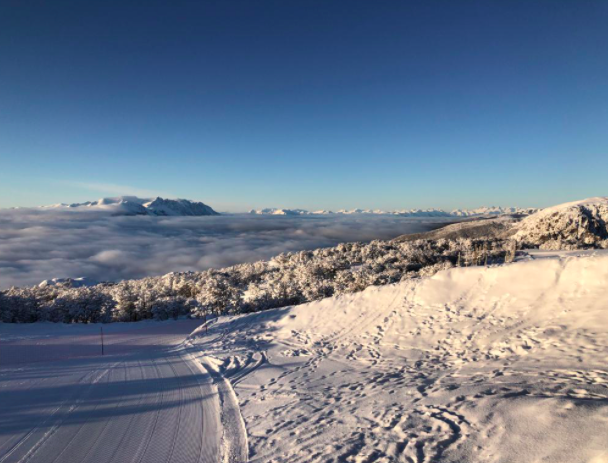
[(160, 206), (481, 211), (132, 205)]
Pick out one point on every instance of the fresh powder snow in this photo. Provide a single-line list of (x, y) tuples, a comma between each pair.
[(499, 364)]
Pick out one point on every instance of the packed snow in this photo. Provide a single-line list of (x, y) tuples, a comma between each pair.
[(499, 364), (147, 399)]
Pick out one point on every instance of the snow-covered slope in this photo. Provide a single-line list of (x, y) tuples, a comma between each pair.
[(574, 225), (482, 228), (275, 211), (492, 210), (145, 400), (68, 282), (482, 211), (473, 365), (567, 226), (180, 207), (132, 205)]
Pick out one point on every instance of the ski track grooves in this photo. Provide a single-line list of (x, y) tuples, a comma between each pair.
[(57, 425), (143, 451), (34, 448), (145, 406), (234, 441)]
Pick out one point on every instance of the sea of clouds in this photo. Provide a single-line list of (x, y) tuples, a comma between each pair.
[(39, 244)]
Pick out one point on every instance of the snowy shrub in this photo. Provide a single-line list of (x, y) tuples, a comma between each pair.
[(287, 279)]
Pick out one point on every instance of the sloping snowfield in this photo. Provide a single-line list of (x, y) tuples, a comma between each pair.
[(145, 400), (500, 364)]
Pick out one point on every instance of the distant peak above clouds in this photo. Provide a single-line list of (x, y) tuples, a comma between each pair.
[(481, 211), (132, 205)]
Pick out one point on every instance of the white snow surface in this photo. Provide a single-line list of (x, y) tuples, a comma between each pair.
[(68, 282), (132, 205), (595, 201), (147, 400), (499, 364)]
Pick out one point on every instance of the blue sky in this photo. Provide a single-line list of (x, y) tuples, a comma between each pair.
[(311, 104)]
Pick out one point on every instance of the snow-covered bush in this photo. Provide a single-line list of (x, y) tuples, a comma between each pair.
[(287, 279)]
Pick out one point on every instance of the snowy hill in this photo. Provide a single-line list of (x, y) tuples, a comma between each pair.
[(482, 211), (274, 211), (132, 205), (178, 207), (473, 365), (574, 225), (68, 282), (571, 225)]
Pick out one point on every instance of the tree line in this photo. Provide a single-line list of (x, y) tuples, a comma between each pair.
[(287, 279)]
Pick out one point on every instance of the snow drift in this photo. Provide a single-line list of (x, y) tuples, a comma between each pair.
[(476, 364)]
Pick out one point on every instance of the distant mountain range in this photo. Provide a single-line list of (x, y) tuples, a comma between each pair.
[(481, 211), (132, 205)]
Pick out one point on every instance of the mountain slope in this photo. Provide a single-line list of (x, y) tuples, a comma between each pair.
[(178, 207), (132, 205), (477, 228), (574, 225), (481, 211), (473, 365), (571, 225)]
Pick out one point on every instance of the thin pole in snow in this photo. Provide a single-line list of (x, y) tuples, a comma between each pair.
[(101, 328)]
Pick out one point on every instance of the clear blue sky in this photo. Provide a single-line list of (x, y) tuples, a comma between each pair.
[(312, 104)]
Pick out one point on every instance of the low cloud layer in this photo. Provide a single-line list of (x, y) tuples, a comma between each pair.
[(41, 244)]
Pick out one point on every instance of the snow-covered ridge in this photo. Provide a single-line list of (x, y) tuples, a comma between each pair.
[(68, 282), (481, 211), (570, 225), (132, 205)]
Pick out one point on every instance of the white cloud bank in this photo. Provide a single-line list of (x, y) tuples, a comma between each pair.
[(40, 244)]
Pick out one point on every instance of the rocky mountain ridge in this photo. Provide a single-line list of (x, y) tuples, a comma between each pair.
[(132, 205), (574, 225), (478, 212)]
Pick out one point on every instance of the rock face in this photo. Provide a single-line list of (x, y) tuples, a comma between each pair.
[(576, 225)]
